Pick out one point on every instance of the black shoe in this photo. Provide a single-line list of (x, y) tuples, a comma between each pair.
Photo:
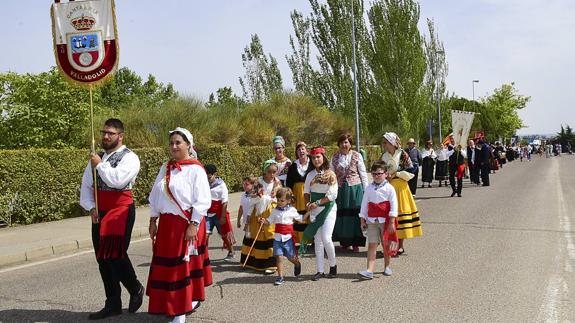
[(439, 184), (332, 272), (318, 276), (136, 300), (453, 194), (297, 270), (104, 313), (458, 194)]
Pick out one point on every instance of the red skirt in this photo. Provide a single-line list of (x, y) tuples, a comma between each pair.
[(174, 283)]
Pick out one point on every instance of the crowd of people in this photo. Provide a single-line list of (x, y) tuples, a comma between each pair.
[(311, 203)]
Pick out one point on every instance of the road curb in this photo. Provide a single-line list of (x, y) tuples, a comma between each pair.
[(56, 249)]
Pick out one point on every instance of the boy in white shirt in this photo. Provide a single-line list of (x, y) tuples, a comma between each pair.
[(218, 216), (378, 214), (283, 216)]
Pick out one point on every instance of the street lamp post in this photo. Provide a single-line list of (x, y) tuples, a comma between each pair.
[(437, 53), (355, 90), (473, 87)]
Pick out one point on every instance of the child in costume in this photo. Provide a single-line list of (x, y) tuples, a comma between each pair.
[(283, 216), (378, 215), (218, 216)]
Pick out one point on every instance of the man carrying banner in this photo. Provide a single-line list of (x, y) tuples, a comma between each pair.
[(113, 221)]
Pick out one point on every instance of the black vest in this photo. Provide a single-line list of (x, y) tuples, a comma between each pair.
[(114, 160)]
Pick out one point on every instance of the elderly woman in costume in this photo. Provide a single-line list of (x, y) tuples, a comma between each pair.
[(428, 156), (352, 180), (261, 257), (283, 163), (320, 191), (397, 161), (295, 180), (180, 198)]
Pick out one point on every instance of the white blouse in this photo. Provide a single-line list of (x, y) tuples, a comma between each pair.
[(345, 160), (301, 169), (428, 153), (248, 203), (329, 190), (189, 186)]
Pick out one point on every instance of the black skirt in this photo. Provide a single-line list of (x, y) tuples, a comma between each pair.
[(441, 170), (427, 169)]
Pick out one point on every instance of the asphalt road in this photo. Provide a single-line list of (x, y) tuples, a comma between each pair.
[(503, 253)]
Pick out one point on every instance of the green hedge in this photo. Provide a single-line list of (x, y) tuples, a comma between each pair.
[(42, 185)]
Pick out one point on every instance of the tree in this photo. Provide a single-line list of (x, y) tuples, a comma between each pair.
[(329, 27), (41, 110), (566, 136), (434, 85), (262, 75), (499, 116), (225, 96), (394, 71), (126, 88), (398, 62)]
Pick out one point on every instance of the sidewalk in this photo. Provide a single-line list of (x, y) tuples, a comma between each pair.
[(34, 242)]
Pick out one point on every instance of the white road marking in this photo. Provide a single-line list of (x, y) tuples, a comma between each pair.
[(548, 311), (557, 286)]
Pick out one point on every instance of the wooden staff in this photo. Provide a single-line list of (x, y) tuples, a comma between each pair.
[(94, 175), (253, 244)]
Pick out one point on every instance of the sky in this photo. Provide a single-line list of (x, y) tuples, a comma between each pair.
[(197, 45)]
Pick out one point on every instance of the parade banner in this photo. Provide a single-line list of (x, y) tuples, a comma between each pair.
[(85, 40), (461, 122)]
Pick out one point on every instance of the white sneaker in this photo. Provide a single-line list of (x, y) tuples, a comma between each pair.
[(387, 271), (229, 257), (366, 274), (269, 271), (179, 319)]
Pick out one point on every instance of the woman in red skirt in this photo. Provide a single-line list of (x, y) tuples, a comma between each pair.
[(180, 198)]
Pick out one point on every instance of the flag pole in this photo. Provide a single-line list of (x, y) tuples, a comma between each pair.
[(94, 176)]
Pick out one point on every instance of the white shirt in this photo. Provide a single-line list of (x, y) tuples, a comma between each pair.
[(219, 193), (284, 217), (428, 153), (444, 154), (189, 186), (377, 194), (329, 190), (123, 175), (301, 169)]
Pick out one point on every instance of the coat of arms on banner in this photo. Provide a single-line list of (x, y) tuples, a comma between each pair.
[(85, 39), (461, 123)]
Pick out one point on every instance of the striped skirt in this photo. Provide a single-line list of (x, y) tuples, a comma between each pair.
[(299, 227), (409, 225), (174, 283), (262, 255)]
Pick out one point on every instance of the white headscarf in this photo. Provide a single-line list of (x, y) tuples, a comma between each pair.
[(189, 137), (392, 138)]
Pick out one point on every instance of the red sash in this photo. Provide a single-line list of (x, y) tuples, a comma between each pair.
[(460, 170), (381, 210), (286, 229), (115, 205), (378, 210)]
